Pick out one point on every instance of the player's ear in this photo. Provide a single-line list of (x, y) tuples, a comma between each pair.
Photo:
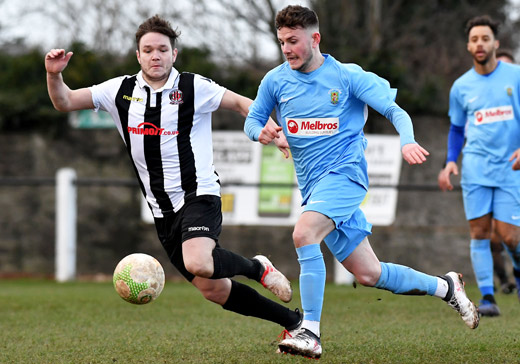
[(138, 56), (316, 38), (174, 54)]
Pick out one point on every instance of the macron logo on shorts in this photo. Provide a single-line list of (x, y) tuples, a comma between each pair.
[(198, 228)]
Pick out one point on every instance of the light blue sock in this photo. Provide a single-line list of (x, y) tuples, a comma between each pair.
[(482, 261), (515, 256), (312, 280), (399, 279)]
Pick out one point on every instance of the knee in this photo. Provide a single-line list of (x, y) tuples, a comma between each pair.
[(303, 235), (480, 232), (300, 237)]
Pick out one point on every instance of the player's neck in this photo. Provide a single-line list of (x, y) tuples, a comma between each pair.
[(487, 68), (318, 61)]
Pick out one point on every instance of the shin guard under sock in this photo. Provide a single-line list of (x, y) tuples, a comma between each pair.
[(400, 279), (248, 302), (482, 262), (228, 264), (312, 280)]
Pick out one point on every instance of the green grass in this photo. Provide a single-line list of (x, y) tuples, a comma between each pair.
[(85, 322)]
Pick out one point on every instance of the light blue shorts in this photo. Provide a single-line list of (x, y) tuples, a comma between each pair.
[(338, 197), (502, 202)]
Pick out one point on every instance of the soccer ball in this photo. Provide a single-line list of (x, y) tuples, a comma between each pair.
[(139, 278)]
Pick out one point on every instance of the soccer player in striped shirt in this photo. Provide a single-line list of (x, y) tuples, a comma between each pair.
[(164, 119)]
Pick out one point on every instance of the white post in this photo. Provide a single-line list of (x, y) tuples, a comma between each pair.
[(341, 275), (65, 225)]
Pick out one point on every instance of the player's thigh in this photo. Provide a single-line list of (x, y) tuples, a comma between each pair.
[(507, 214), (311, 228), (510, 233), (198, 252), (170, 235), (339, 197), (480, 227)]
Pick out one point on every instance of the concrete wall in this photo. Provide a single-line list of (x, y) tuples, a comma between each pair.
[(429, 234)]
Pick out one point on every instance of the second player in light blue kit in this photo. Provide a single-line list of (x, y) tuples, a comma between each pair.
[(322, 106), (485, 102)]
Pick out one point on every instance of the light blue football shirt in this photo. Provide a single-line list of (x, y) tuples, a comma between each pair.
[(489, 104), (323, 113)]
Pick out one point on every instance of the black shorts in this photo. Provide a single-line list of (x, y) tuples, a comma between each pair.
[(201, 216)]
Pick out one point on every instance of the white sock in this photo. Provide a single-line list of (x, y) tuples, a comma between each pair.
[(313, 326), (442, 288)]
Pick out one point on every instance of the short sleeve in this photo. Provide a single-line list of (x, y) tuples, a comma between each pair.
[(208, 94), (104, 94), (456, 113)]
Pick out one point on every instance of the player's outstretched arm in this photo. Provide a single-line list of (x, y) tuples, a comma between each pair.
[(444, 176), (241, 104), (62, 97), (413, 153), (515, 158)]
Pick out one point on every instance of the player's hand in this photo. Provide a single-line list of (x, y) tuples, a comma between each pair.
[(56, 60), (516, 158), (282, 144), (413, 153), (269, 133), (444, 176)]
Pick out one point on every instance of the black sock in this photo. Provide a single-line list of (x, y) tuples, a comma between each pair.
[(248, 302), (228, 264)]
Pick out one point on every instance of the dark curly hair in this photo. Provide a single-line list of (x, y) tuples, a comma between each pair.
[(482, 20)]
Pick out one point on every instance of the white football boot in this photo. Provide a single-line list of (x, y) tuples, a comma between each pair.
[(459, 301), (275, 281), (301, 342)]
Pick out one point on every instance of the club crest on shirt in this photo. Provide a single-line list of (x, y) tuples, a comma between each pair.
[(509, 91), (176, 97), (334, 96)]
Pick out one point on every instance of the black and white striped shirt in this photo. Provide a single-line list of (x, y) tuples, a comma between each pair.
[(167, 133)]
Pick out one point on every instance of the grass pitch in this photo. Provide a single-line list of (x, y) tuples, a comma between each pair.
[(86, 322)]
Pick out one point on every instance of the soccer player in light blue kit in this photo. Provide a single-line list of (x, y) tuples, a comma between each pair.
[(485, 100), (322, 106)]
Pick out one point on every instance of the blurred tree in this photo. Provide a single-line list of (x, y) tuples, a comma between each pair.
[(419, 46), (23, 96), (105, 25), (253, 18)]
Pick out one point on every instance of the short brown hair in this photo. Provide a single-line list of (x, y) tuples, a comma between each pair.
[(482, 20), (156, 24), (294, 16)]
